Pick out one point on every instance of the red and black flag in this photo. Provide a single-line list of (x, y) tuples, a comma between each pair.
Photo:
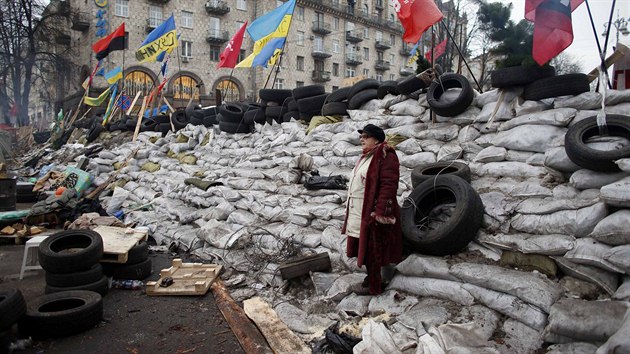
[(115, 41), (553, 30)]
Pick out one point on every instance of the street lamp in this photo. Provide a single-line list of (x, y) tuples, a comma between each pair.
[(620, 24)]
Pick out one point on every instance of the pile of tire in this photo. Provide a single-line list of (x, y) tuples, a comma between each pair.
[(411, 85), (71, 261), (137, 267), (443, 212), (540, 82), (450, 107), (362, 92), (204, 116), (231, 120), (275, 103), (389, 87), (309, 100), (337, 102), (12, 309)]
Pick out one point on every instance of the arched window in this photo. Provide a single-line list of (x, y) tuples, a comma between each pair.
[(230, 91), (184, 87), (138, 80), (366, 10)]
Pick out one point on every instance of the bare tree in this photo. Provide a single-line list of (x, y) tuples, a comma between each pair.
[(565, 63)]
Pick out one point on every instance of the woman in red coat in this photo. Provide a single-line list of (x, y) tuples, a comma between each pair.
[(373, 215)]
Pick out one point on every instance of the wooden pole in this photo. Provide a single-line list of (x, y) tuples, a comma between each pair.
[(135, 133), (133, 103)]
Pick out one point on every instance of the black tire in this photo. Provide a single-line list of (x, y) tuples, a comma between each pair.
[(163, 128), (163, 118), (456, 106), (561, 85), (234, 128), (291, 114), (274, 95), (360, 98), (12, 307), (254, 116), (592, 159), (210, 120), (308, 91), (519, 75), (339, 95), (231, 112), (307, 116), (276, 112), (148, 125), (335, 109), (196, 118), (100, 286), (137, 271), (61, 314), (410, 85), (386, 87), (138, 253), (429, 200), (179, 119), (312, 104), (291, 104), (130, 123), (112, 127), (91, 275), (70, 251), (94, 132), (431, 170), (363, 85)]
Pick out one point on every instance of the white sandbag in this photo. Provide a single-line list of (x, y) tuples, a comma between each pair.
[(509, 305), (590, 252), (605, 280), (537, 138), (359, 115), (498, 205), (559, 117), (623, 292), (409, 131), (376, 340), (622, 108), (466, 117), (469, 134), (549, 245), (503, 108), (557, 159), (449, 151), (617, 193), (416, 265), (507, 169), (440, 131), (409, 147), (586, 179), (399, 121), (426, 313), (624, 164), (532, 288), (620, 341), (619, 257), (514, 187), (116, 201), (586, 100), (407, 108), (431, 145), (461, 337), (537, 159), (344, 285), (491, 154), (485, 139), (354, 304), (527, 107), (520, 156), (592, 321), (550, 205), (300, 321), (519, 338), (443, 289), (569, 222), (392, 302), (482, 99), (415, 160), (572, 348), (614, 97)]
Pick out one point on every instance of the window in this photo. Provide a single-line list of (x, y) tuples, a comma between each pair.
[(366, 10), (379, 77), (319, 17), (215, 53), (187, 19), (349, 26), (300, 13), (350, 71), (155, 16), (122, 8), (335, 69), (379, 56), (366, 53), (238, 24), (392, 77), (366, 72), (392, 58), (379, 36), (318, 44), (366, 33), (215, 27), (300, 37), (186, 49), (336, 23), (241, 5), (242, 55), (279, 84), (299, 63), (335, 46), (392, 18), (299, 84), (392, 40)]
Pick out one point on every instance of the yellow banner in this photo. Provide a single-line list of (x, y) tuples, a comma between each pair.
[(149, 52), (90, 101)]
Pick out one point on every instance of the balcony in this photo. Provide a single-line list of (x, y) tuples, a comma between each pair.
[(353, 59), (217, 7), (320, 76), (379, 4), (217, 36), (80, 22), (63, 39), (321, 27), (354, 36), (406, 71), (381, 65), (321, 52), (381, 45), (404, 50)]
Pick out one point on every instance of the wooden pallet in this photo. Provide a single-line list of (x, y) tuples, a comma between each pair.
[(188, 279), (117, 242)]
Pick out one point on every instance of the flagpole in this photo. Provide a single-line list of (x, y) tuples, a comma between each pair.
[(279, 61), (229, 80), (599, 47), (462, 56), (122, 88)]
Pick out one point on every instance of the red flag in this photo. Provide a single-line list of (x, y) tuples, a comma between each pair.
[(115, 41), (439, 50), (553, 30), (416, 16), (229, 56)]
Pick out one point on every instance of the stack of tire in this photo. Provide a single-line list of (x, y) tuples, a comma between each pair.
[(204, 116), (309, 100), (387, 87), (337, 102), (137, 267), (71, 261), (276, 103), (451, 107), (362, 92), (231, 120), (12, 308), (443, 212)]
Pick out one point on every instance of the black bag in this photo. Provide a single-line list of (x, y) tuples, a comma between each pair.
[(323, 182)]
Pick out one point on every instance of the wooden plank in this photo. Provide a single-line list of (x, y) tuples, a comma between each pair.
[(301, 266), (117, 242), (139, 121), (188, 279), (620, 52), (135, 99), (250, 338), (281, 339)]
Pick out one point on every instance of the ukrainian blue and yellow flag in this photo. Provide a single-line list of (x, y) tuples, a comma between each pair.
[(114, 75), (269, 33), (162, 38)]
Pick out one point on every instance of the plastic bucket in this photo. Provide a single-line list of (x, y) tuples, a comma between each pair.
[(7, 194)]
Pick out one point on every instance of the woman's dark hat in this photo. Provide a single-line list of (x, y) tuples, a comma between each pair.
[(373, 131)]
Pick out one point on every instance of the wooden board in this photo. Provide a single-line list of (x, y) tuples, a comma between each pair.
[(117, 242), (281, 339), (301, 266), (188, 279)]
